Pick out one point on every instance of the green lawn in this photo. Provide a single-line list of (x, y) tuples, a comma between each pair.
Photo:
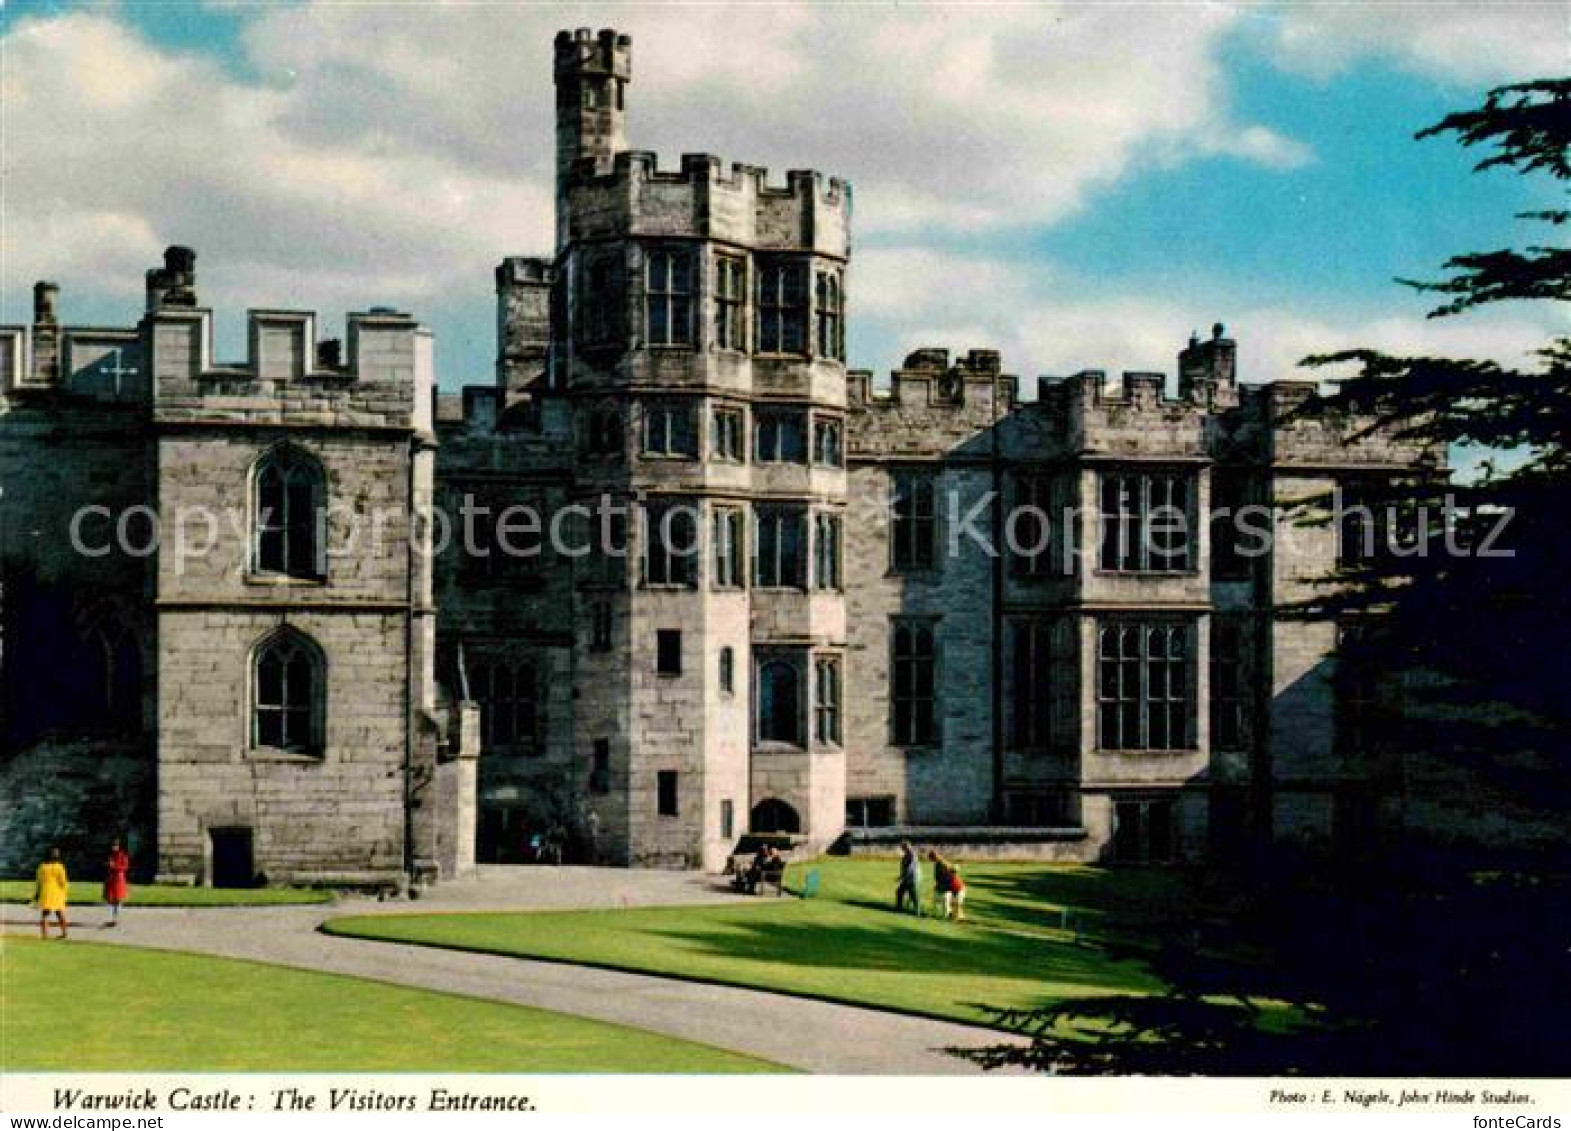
[(89, 892), (85, 1007), (847, 945)]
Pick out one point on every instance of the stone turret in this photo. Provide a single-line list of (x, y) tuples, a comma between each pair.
[(523, 324), (1208, 371), (592, 73)]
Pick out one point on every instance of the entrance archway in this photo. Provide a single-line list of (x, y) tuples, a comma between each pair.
[(774, 816)]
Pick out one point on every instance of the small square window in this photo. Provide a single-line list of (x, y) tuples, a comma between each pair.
[(668, 651), (665, 785)]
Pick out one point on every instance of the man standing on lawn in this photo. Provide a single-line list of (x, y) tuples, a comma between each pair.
[(910, 885)]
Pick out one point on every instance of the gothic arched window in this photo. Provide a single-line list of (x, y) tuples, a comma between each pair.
[(289, 494), (289, 690)]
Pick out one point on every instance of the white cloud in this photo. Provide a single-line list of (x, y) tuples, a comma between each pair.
[(950, 117), (392, 153), (113, 149), (1464, 43), (1043, 325), (369, 153)]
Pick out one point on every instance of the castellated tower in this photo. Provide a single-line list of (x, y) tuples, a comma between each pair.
[(297, 733), (698, 334), (592, 73)]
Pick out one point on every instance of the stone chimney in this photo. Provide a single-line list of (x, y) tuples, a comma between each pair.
[(46, 333), (173, 284)]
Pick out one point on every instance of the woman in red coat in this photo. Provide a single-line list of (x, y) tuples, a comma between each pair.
[(115, 886)]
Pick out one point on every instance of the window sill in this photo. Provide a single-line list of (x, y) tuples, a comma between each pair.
[(1143, 751), (759, 588), (669, 586), (282, 754), (285, 580), (777, 746), (668, 675), (1145, 573), (511, 750), (669, 457)]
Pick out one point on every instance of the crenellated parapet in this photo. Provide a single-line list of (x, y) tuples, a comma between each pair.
[(385, 378), (51, 361), (932, 407), (935, 407), (1294, 432), (704, 199), (1132, 418)]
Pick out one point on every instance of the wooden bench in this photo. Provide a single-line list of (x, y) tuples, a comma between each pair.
[(774, 877)]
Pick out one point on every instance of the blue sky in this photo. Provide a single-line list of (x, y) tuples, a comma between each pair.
[(1077, 185)]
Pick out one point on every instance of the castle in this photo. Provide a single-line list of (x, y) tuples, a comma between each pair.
[(228, 630)]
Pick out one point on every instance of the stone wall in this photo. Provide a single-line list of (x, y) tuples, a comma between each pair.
[(338, 816), (72, 771)]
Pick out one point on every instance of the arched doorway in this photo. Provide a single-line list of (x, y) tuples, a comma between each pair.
[(774, 816)]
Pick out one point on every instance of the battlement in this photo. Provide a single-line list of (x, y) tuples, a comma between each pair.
[(49, 359), (384, 379), (933, 399), (934, 406), (1093, 387), (585, 52), (706, 199), (709, 171), (929, 379)]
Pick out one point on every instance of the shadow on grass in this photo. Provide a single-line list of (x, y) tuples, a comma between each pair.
[(1128, 900), (910, 946)]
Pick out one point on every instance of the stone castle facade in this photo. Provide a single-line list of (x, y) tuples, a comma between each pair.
[(321, 695)]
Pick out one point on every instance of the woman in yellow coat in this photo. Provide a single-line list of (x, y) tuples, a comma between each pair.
[(53, 887)]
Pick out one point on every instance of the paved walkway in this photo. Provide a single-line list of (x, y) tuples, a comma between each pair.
[(808, 1035)]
